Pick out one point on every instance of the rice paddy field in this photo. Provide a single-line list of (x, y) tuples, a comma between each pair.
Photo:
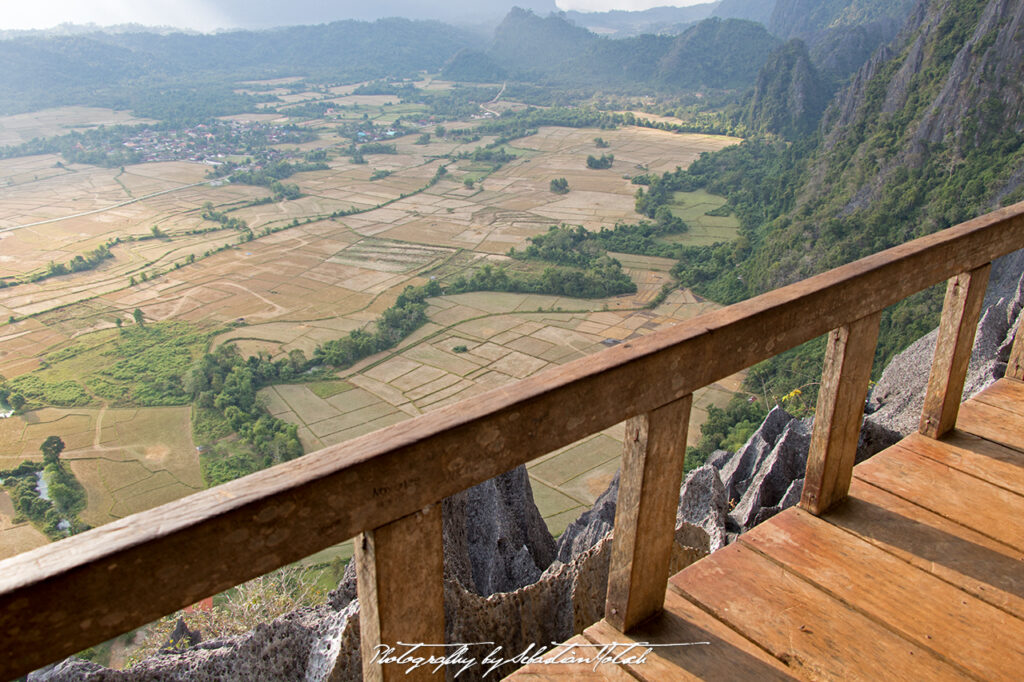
[(309, 277)]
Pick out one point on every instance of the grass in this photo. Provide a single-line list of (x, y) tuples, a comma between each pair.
[(326, 389), (702, 212), (139, 366)]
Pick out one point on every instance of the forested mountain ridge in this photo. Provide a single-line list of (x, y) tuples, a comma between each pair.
[(715, 53), (841, 34), (789, 95), (926, 135), (110, 69)]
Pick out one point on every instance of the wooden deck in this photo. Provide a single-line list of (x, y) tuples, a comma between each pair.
[(918, 575)]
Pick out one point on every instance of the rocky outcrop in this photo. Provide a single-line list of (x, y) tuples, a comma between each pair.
[(897, 399), (495, 539)]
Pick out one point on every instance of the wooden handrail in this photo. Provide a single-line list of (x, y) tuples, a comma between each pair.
[(61, 598)]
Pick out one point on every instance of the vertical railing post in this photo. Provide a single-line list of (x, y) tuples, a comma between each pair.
[(645, 513), (400, 580), (1015, 364), (961, 309), (840, 409)]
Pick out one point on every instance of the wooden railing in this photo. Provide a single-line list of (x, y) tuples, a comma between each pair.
[(387, 487)]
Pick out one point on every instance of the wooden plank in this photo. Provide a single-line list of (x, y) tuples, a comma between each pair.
[(818, 636), (989, 570), (162, 557), (1015, 364), (978, 457), (654, 448), (992, 423), (965, 631), (840, 411), (400, 579), (559, 667), (952, 494), (960, 312), (1007, 394), (997, 414), (711, 651)]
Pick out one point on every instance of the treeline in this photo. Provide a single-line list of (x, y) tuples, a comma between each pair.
[(80, 263), (274, 171), (222, 217), (100, 146), (495, 156), (579, 247), (602, 277), (179, 76), (226, 383), (406, 315), (515, 124)]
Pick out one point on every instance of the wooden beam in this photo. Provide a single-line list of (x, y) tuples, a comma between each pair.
[(960, 312), (132, 571), (840, 410), (645, 514), (400, 578), (1015, 365)]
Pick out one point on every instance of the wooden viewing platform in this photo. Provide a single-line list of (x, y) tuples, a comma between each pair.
[(917, 575)]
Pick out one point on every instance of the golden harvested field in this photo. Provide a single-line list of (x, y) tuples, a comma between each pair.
[(319, 278), (128, 460)]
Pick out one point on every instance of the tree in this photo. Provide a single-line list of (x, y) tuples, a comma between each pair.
[(16, 401), (51, 449), (118, 321), (560, 186), (139, 318)]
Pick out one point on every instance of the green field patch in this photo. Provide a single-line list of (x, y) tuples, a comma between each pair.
[(693, 208), (630, 260), (549, 501), (367, 427), (557, 523), (131, 366), (582, 457), (327, 389), (353, 400), (350, 420), (449, 362), (305, 403)]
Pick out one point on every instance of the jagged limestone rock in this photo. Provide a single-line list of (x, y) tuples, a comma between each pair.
[(703, 503), (592, 525), (495, 538)]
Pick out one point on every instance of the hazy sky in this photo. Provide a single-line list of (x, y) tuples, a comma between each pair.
[(206, 15)]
